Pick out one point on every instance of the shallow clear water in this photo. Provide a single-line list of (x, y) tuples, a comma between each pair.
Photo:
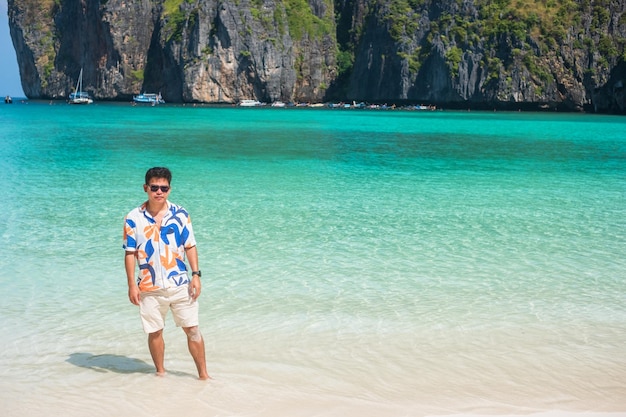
[(354, 262)]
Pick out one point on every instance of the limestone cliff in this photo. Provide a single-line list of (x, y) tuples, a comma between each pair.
[(484, 53), (198, 50), (566, 54)]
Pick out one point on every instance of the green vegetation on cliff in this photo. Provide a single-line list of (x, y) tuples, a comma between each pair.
[(39, 18), (302, 20), (536, 27), (176, 19)]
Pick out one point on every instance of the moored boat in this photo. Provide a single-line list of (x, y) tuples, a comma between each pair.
[(149, 98), (8, 100), (79, 96), (249, 103)]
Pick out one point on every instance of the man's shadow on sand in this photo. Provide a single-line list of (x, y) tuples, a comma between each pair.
[(114, 363)]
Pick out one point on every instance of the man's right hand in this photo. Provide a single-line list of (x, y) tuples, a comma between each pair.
[(133, 294)]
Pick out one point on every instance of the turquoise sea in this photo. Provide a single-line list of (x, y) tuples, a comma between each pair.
[(355, 262)]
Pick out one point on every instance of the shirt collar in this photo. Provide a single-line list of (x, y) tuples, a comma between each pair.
[(143, 207)]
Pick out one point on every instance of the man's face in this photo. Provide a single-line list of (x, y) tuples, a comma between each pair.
[(157, 189)]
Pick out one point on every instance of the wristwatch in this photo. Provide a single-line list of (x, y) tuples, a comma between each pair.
[(198, 273)]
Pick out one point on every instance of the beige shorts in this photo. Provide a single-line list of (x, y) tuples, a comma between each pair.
[(153, 307)]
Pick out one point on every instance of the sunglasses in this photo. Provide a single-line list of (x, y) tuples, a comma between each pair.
[(155, 188)]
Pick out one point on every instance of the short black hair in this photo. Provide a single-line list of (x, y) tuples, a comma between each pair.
[(158, 172)]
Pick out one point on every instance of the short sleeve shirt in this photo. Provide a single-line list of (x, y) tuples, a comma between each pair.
[(160, 251)]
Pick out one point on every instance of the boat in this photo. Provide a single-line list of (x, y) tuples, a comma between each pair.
[(78, 96), (8, 100), (278, 104), (250, 103), (149, 98)]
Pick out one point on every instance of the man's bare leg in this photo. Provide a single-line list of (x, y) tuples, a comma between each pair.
[(195, 342), (157, 350)]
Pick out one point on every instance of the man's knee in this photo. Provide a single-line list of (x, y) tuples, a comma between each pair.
[(155, 335), (193, 333)]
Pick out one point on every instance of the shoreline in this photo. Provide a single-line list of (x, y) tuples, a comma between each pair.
[(404, 105)]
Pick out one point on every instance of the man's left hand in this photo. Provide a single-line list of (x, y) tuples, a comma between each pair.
[(195, 287)]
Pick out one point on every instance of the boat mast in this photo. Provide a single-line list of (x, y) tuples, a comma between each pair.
[(79, 83)]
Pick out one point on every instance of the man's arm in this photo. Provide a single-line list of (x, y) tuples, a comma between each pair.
[(133, 289), (195, 286)]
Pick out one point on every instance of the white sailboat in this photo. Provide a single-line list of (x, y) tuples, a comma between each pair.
[(78, 97)]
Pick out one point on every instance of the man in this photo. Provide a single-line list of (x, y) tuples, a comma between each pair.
[(157, 236)]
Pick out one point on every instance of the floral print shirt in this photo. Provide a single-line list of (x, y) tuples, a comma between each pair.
[(159, 249)]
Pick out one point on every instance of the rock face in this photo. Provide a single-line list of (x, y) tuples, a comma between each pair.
[(192, 51), (565, 54)]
